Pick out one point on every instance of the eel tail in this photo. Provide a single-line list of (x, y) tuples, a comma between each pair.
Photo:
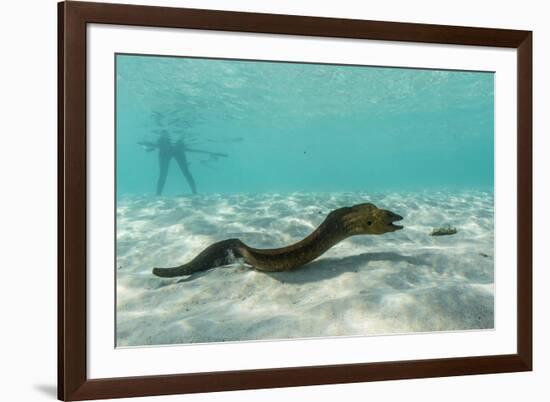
[(224, 252)]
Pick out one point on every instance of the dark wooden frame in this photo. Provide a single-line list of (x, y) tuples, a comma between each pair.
[(73, 383)]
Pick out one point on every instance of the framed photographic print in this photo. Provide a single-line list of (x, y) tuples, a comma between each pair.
[(255, 200)]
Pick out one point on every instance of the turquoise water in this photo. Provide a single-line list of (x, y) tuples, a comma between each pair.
[(291, 127)]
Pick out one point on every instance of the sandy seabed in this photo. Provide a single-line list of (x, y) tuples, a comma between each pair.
[(400, 282)]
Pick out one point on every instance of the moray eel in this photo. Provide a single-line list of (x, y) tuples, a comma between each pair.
[(360, 219)]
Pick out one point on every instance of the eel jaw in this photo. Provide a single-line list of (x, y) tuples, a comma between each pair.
[(395, 218)]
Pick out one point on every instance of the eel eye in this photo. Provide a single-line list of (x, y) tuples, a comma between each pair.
[(369, 223)]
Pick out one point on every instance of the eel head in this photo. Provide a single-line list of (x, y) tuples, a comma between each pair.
[(363, 219)]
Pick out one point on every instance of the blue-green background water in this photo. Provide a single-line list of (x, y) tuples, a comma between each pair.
[(291, 127)]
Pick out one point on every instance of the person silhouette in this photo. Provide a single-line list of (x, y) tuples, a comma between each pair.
[(167, 149)]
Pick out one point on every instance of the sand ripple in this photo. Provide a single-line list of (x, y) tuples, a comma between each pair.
[(401, 282)]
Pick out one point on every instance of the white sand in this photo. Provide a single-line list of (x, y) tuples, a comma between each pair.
[(402, 282)]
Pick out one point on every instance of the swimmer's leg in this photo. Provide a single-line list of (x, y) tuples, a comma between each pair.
[(184, 167), (164, 163)]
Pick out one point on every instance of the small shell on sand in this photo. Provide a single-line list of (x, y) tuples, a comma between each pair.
[(443, 231)]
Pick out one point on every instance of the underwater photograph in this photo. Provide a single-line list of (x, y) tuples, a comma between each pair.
[(268, 200)]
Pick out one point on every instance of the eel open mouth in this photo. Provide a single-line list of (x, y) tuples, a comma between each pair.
[(395, 218)]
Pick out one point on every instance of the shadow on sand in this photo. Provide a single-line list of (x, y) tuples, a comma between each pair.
[(321, 269), (332, 267)]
